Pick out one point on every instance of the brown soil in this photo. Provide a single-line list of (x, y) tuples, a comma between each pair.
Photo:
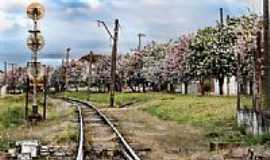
[(167, 140)]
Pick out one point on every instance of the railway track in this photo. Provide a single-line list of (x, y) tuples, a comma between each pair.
[(99, 138)]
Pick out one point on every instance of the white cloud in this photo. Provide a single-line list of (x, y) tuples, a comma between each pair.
[(5, 22), (6, 5), (9, 16), (94, 4), (68, 24)]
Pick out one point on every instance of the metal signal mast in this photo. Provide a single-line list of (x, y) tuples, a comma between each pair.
[(35, 43)]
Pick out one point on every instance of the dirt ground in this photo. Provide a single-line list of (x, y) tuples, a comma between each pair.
[(167, 140), (171, 141)]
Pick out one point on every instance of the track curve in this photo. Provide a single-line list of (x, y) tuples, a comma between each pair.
[(91, 117)]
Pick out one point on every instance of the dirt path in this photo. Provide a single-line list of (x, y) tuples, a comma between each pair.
[(167, 140)]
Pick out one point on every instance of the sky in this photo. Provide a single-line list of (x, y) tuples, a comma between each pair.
[(73, 24)]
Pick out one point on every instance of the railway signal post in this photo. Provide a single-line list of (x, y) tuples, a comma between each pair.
[(35, 43)]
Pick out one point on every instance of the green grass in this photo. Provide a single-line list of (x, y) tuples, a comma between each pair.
[(11, 112), (200, 111), (121, 99), (11, 117), (216, 116), (57, 129)]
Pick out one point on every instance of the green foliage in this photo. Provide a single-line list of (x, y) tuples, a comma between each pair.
[(6, 144), (254, 140), (211, 53), (12, 118)]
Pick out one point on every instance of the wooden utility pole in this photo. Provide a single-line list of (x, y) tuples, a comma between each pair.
[(258, 75), (228, 18), (238, 107), (266, 63), (113, 69), (27, 98), (5, 68), (114, 55), (140, 35), (13, 86), (91, 59), (45, 103), (67, 68), (221, 16), (221, 79)]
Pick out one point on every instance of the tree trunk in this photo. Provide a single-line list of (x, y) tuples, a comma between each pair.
[(221, 83), (228, 86), (143, 84), (250, 87), (172, 88), (186, 88), (202, 87), (120, 86), (132, 89), (77, 88)]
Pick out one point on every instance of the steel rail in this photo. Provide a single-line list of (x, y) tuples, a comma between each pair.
[(128, 152), (80, 152)]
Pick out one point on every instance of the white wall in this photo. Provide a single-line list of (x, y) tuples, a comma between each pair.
[(229, 89)]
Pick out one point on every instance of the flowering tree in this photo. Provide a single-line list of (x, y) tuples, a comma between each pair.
[(246, 29), (57, 79), (134, 71), (154, 65), (175, 61), (211, 55)]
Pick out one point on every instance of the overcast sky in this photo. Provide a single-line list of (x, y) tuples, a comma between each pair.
[(72, 23)]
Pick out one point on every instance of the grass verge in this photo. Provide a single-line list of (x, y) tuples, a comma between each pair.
[(58, 129), (215, 116)]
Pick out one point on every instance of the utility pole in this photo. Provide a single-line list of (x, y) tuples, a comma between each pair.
[(45, 103), (27, 98), (90, 70), (13, 76), (238, 107), (258, 75), (266, 63), (140, 35), (113, 70), (114, 54), (221, 93), (5, 68), (221, 16), (67, 68), (140, 67), (228, 18)]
